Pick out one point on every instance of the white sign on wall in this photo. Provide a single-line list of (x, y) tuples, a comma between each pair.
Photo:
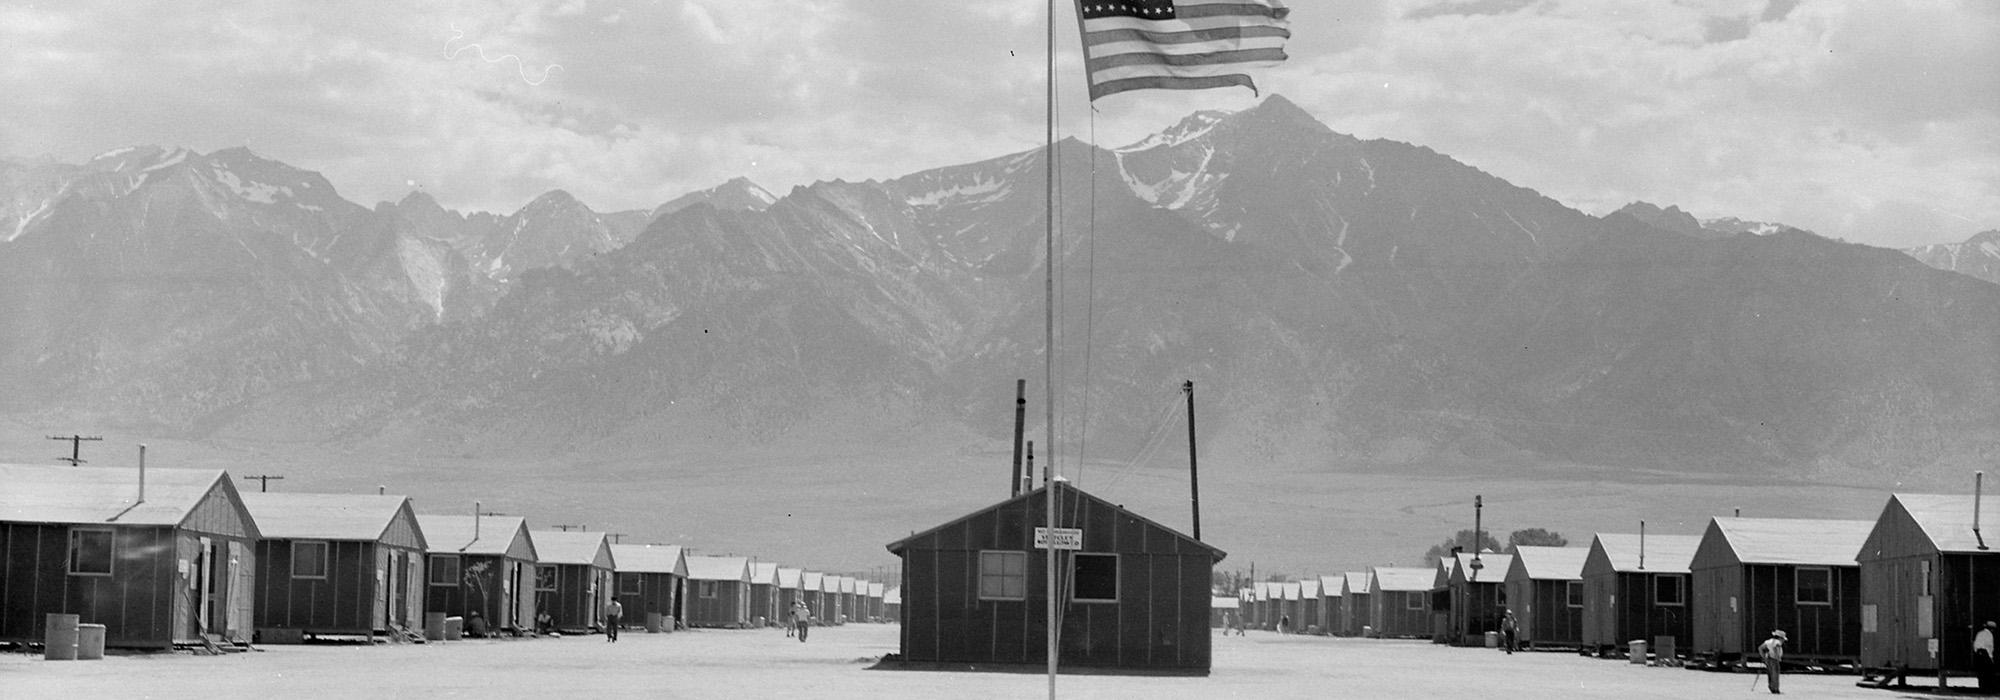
[(1066, 538)]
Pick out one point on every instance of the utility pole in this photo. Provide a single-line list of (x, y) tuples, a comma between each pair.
[(1194, 476), (616, 537), (264, 481), (565, 528), (75, 458)]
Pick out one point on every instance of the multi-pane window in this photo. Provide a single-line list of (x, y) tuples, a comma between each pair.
[(90, 552), (628, 584), (1575, 594), (1003, 575), (308, 560), (1096, 578), (545, 577), (706, 589), (1413, 601), (1669, 589), (1925, 571), (444, 570), (1814, 586)]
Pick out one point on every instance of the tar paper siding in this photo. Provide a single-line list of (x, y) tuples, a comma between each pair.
[(1619, 607), (488, 583), (577, 602), (656, 593), (1394, 615), (1742, 603), (343, 601), (1915, 593), (718, 603), (1543, 613), (1159, 621), (1357, 611), (764, 602)]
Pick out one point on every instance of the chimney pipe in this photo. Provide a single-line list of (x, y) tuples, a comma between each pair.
[(475, 520), (1642, 545), (381, 489), (1020, 425), (1028, 482), (1977, 482), (142, 477)]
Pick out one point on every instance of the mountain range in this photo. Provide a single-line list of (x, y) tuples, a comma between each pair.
[(1339, 303)]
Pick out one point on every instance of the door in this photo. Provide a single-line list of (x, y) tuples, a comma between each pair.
[(204, 586)]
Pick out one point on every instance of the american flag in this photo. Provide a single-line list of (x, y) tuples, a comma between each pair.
[(1179, 44)]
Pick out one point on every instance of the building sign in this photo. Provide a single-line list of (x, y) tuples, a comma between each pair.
[(1066, 538)]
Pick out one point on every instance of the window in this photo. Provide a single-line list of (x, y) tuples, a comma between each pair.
[(1095, 578), (1575, 594), (1925, 584), (628, 584), (1669, 589), (308, 560), (706, 589), (1814, 586), (1414, 600), (545, 577), (90, 552), (444, 570), (1003, 575)]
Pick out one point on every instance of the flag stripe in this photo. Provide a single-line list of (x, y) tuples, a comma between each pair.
[(1131, 47), (1205, 44), (1160, 82), (1098, 65), (1191, 36)]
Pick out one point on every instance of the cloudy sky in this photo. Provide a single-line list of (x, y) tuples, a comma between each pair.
[(1877, 122)]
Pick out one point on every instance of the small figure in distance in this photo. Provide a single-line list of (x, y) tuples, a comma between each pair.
[(801, 618), (1509, 628)]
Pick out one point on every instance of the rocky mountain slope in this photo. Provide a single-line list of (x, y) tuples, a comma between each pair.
[(1339, 303)]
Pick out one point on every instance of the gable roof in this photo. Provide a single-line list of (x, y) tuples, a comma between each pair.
[(1492, 568), (1548, 563), (325, 516), (812, 581), (706, 568), (875, 590), (893, 596), (1946, 519), (1309, 587), (574, 548), (1664, 554), (649, 559), (1223, 602), (1062, 486), (498, 535), (1329, 586), (1356, 583), (1392, 578), (789, 579), (1289, 590), (101, 495), (764, 573), (1786, 540)]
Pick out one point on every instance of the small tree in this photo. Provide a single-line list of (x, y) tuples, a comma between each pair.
[(1462, 540), (1535, 537)]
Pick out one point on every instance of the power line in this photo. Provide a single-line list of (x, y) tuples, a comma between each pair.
[(75, 458)]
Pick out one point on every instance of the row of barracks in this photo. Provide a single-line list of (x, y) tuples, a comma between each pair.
[(1899, 594), (180, 557)]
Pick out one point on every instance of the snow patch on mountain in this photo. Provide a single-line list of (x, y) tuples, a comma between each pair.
[(254, 191), (21, 223), (980, 191)]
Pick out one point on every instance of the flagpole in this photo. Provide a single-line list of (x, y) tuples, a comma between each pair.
[(1049, 350)]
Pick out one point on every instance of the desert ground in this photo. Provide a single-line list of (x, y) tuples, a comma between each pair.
[(835, 664)]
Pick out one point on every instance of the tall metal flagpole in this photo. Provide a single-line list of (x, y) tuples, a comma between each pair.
[(1049, 352)]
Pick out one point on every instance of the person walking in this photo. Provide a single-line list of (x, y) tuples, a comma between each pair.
[(1773, 653), (614, 615), (1509, 628), (801, 616), (1982, 657)]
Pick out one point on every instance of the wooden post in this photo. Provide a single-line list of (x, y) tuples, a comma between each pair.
[(1194, 475), (1020, 420)]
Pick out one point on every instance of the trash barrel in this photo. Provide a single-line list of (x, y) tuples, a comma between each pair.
[(89, 641), (434, 626), (652, 623), (454, 628), (1492, 640), (1638, 655), (59, 640), (1366, 631)]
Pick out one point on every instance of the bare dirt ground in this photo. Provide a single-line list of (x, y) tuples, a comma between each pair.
[(834, 664)]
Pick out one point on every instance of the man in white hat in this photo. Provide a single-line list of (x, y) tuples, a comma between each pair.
[(1773, 651), (1982, 657)]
